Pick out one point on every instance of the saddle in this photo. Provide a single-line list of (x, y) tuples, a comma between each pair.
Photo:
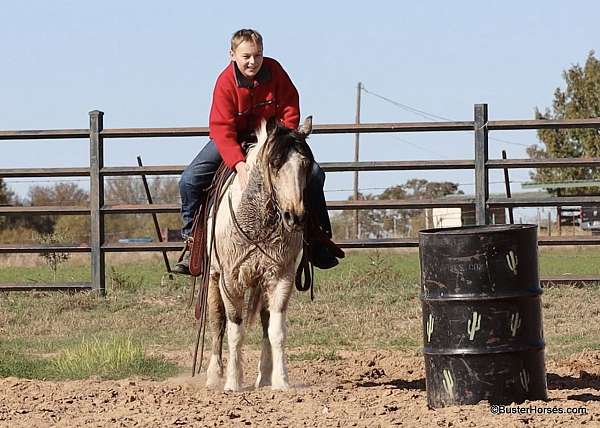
[(196, 245)]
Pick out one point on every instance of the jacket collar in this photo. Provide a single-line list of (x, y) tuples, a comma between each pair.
[(264, 75)]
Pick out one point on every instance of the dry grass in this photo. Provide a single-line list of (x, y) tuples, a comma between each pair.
[(82, 259), (571, 319), (370, 301)]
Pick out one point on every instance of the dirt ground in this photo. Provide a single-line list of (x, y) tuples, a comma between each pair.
[(368, 388)]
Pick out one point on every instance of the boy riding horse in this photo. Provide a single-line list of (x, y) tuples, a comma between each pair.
[(252, 88)]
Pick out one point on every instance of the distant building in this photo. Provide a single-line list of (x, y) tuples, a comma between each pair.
[(457, 217), (587, 217), (446, 217), (590, 218)]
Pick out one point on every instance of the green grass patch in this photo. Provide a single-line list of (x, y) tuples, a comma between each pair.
[(330, 355), (18, 365), (404, 342), (115, 358), (573, 261)]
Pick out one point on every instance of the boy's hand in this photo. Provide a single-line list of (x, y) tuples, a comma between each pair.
[(242, 172)]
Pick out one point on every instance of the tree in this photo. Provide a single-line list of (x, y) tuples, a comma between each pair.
[(423, 189), (61, 194), (6, 198), (579, 100), (6, 195), (385, 223), (53, 258), (165, 190), (342, 224), (130, 190)]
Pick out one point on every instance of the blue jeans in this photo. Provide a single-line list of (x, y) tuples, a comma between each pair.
[(198, 175)]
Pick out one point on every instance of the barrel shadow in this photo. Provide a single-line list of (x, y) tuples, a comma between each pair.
[(418, 384)]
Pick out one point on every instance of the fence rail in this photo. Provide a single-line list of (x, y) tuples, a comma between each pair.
[(481, 164), (357, 243), (327, 167), (350, 128)]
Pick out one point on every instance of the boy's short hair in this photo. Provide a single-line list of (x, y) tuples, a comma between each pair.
[(246, 35)]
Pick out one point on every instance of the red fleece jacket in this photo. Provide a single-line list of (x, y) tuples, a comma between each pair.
[(239, 105)]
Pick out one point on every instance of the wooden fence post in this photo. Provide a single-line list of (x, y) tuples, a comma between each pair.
[(481, 158), (97, 201)]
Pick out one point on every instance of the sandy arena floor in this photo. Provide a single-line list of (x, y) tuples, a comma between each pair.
[(366, 389)]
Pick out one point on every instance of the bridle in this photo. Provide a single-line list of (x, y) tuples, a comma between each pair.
[(273, 210)]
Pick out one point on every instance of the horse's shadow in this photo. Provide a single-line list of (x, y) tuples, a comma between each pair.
[(584, 397), (395, 384), (584, 381)]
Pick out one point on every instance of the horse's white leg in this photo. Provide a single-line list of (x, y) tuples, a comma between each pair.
[(216, 321), (277, 336), (235, 337), (265, 365), (278, 332)]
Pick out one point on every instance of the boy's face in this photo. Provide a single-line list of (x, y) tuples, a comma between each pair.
[(248, 57)]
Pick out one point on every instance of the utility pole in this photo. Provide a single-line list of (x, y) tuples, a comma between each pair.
[(356, 156)]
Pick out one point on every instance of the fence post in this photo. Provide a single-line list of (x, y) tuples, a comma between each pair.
[(97, 201), (481, 158), (357, 157)]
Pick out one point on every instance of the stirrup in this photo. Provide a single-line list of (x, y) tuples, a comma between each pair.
[(187, 247)]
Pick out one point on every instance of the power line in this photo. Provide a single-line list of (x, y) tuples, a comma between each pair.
[(416, 111), (430, 116), (431, 152), (500, 140)]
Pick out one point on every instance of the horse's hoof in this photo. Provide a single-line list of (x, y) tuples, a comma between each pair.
[(231, 387), (214, 373), (213, 383), (261, 381), (280, 387)]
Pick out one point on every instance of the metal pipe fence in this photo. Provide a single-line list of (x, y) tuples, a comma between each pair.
[(97, 173)]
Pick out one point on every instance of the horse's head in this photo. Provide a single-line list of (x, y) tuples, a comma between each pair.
[(287, 162)]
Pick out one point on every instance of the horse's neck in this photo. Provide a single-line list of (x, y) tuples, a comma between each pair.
[(255, 214)]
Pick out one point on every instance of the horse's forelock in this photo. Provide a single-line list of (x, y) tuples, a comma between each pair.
[(282, 141)]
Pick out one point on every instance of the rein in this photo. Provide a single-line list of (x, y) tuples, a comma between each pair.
[(255, 243), (198, 254)]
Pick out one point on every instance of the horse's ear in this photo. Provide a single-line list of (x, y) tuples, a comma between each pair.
[(271, 125), (306, 127)]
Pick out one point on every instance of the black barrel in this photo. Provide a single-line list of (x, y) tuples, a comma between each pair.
[(482, 315)]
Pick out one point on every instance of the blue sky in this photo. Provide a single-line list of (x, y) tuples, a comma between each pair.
[(153, 64)]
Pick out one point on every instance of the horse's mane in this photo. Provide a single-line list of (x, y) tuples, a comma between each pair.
[(280, 142)]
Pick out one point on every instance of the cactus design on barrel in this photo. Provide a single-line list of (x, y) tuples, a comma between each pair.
[(474, 325)]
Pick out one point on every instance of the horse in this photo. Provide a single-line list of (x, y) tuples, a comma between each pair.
[(257, 248)]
